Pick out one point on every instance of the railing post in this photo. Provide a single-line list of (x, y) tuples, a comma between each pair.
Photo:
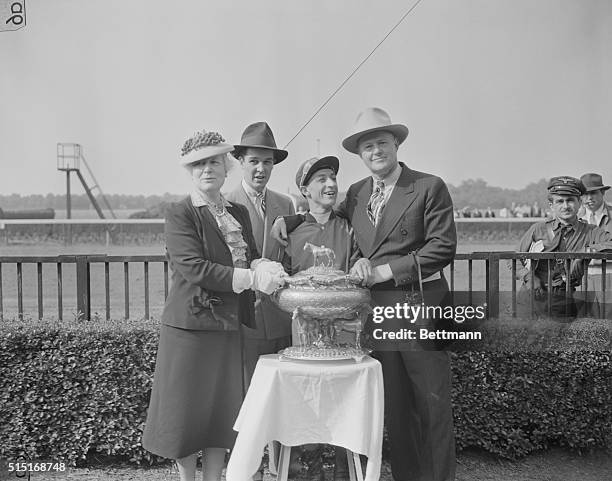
[(493, 284), (83, 289)]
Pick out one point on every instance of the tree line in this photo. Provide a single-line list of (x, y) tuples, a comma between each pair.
[(81, 201)]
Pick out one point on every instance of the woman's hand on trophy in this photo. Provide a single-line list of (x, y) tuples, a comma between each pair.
[(268, 276), (362, 269), (272, 267)]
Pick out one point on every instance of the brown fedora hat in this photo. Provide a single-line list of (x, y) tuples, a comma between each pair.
[(259, 135), (371, 120), (593, 182)]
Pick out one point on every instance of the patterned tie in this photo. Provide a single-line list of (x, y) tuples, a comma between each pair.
[(261, 203), (375, 205), (592, 218)]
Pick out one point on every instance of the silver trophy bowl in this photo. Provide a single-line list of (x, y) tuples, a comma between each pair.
[(324, 301)]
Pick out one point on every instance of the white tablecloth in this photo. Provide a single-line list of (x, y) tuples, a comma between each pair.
[(300, 402)]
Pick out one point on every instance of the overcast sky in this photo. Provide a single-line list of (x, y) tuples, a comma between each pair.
[(507, 90)]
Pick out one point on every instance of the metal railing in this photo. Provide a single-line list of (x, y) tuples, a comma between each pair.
[(75, 278), (495, 261), (81, 278)]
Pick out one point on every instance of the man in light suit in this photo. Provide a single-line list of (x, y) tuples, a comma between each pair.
[(403, 222), (258, 154), (598, 213)]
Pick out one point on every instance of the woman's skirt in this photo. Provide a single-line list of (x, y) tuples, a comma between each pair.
[(197, 392)]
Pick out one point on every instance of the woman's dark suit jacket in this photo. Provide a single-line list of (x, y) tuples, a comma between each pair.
[(201, 296)]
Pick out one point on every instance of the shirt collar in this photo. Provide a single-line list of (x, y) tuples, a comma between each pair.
[(599, 213), (250, 191), (392, 178), (198, 200), (308, 217), (558, 224)]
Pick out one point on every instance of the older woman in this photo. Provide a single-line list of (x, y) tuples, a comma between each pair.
[(198, 385)]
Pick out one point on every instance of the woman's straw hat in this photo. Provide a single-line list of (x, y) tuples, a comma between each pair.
[(202, 145)]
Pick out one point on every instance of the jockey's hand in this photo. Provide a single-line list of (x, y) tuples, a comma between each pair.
[(279, 231)]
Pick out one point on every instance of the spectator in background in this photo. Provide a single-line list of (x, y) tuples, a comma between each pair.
[(524, 210), (489, 212), (513, 210), (563, 233), (597, 213)]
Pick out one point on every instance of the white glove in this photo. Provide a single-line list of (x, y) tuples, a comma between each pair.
[(266, 281), (272, 267)]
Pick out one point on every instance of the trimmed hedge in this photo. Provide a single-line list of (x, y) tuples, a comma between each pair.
[(74, 389), (82, 388), (512, 404)]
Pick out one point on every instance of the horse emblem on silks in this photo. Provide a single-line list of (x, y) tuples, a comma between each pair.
[(323, 256)]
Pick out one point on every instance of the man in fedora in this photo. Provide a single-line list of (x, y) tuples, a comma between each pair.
[(258, 154), (403, 223), (598, 213)]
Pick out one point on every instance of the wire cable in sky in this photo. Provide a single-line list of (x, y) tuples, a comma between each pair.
[(353, 73)]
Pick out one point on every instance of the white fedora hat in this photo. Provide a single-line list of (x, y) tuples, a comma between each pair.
[(202, 145), (371, 120)]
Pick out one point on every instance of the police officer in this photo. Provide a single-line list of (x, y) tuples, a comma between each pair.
[(564, 232)]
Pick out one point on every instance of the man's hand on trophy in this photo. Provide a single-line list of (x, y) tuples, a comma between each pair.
[(362, 269), (279, 231), (379, 274)]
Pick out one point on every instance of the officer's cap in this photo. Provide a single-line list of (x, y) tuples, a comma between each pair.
[(565, 185)]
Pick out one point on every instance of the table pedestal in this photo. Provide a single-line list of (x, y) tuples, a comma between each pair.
[(354, 464)]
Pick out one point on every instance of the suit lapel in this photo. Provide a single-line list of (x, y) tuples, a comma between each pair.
[(256, 222), (605, 218), (273, 210), (401, 199)]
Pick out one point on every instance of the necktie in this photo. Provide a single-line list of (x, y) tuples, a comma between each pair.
[(592, 218), (375, 205), (561, 270), (261, 204)]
